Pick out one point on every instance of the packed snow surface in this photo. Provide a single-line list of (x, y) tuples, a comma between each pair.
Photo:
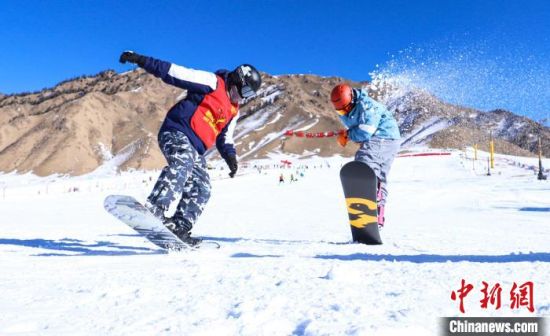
[(285, 266)]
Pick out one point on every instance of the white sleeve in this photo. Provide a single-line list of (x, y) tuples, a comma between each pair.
[(194, 76), (230, 130)]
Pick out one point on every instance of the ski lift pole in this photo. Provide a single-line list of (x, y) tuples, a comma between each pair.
[(541, 175), (492, 150)]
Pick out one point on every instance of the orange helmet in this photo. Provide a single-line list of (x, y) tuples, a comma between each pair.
[(342, 98)]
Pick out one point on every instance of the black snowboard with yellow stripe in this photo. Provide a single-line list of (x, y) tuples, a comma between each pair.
[(359, 183)]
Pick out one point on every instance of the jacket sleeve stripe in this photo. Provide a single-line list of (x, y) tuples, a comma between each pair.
[(367, 128), (230, 130), (225, 141), (188, 79), (194, 76)]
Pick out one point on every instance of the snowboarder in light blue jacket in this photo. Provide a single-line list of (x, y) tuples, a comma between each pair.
[(374, 127)]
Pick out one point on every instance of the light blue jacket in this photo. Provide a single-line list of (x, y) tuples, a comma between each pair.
[(368, 119)]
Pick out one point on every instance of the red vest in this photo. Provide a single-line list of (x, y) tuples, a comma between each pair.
[(213, 114)]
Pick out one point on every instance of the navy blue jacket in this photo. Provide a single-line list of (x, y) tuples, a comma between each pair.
[(199, 85)]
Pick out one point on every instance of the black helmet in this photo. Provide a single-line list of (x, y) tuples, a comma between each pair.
[(247, 80)]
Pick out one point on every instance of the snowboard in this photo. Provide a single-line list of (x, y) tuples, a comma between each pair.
[(132, 213), (360, 183)]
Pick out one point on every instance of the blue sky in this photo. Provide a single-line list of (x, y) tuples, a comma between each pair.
[(45, 42)]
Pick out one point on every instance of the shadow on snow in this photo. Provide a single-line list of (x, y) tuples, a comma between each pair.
[(79, 247), (413, 258), (421, 258), (437, 258), (525, 209), (535, 209)]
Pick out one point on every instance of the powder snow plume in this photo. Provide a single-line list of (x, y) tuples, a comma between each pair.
[(475, 76)]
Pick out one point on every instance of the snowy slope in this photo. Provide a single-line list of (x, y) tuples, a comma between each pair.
[(284, 268), (421, 135)]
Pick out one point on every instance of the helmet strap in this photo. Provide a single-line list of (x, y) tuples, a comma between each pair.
[(234, 94)]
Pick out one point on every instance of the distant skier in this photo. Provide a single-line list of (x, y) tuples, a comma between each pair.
[(370, 124), (281, 179), (207, 116)]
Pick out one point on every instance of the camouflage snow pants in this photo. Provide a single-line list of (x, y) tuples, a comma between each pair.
[(185, 179), (379, 154)]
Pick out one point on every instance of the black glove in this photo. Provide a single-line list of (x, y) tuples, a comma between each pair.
[(232, 164), (132, 57)]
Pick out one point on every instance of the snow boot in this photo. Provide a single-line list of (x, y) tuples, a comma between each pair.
[(185, 236), (156, 211), (381, 218), (182, 232)]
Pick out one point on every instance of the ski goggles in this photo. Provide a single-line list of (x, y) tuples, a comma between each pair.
[(246, 92), (345, 110)]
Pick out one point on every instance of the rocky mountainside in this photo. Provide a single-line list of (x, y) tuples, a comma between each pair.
[(113, 119), (425, 119)]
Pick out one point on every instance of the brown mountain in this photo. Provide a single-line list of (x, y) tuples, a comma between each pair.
[(82, 123)]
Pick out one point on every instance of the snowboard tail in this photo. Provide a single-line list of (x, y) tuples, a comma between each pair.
[(132, 213), (360, 185)]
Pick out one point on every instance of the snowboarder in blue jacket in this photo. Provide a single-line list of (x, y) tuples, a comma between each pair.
[(374, 127), (206, 117)]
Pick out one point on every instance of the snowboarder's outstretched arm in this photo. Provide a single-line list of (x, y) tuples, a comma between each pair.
[(225, 145), (189, 79)]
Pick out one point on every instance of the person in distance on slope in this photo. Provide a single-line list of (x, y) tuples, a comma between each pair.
[(370, 124), (207, 116)]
